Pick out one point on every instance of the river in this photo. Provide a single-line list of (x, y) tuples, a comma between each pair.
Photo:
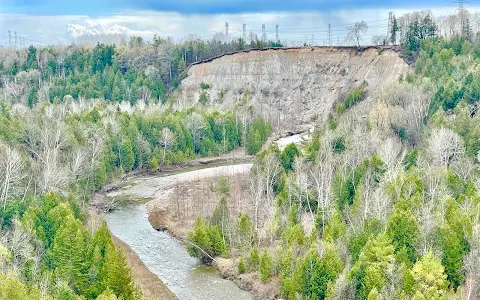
[(163, 255)]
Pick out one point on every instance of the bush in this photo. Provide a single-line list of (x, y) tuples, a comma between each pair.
[(203, 98), (288, 156), (410, 159), (257, 135), (340, 108), (401, 132), (204, 86), (254, 259), (265, 266), (241, 266), (354, 97), (338, 145), (206, 241)]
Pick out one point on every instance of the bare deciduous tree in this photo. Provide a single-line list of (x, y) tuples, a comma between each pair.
[(11, 174), (322, 175), (445, 146), (196, 124), (167, 139), (356, 31)]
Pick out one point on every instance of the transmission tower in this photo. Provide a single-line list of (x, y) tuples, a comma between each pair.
[(9, 39), (226, 30), (461, 12), (244, 31), (16, 40), (330, 34), (264, 34), (276, 34), (390, 25)]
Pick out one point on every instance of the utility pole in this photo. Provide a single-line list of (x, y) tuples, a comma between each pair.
[(244, 31), (330, 34), (264, 35), (9, 39), (461, 12), (390, 25), (226, 30), (276, 34)]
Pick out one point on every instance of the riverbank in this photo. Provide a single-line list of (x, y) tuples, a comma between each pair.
[(168, 259), (152, 287), (175, 198)]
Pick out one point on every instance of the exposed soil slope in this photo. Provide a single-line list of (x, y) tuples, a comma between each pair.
[(291, 86)]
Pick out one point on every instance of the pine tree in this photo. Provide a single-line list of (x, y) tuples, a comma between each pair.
[(403, 231), (117, 276), (96, 252), (370, 270), (13, 289), (315, 273), (68, 253), (265, 266), (429, 279), (126, 154)]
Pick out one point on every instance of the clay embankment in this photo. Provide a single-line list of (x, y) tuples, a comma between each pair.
[(291, 87)]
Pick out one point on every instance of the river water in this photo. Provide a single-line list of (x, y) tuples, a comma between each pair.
[(168, 259)]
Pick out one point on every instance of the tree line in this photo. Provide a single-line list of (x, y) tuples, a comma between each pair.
[(384, 206)]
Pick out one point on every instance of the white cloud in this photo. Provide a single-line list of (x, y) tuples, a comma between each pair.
[(295, 26)]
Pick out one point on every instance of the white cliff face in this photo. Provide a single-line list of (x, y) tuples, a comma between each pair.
[(291, 87)]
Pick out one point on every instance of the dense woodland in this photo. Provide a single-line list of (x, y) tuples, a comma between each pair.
[(73, 119), (383, 207)]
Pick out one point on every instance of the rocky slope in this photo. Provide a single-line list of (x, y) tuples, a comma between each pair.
[(291, 87)]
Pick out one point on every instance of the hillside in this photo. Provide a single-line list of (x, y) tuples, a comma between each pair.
[(291, 86)]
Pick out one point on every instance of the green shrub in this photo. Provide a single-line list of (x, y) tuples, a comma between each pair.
[(265, 266), (204, 86), (401, 132), (354, 97), (340, 108), (410, 159), (338, 145), (258, 133), (203, 98), (288, 156), (241, 266), (206, 241), (254, 259)]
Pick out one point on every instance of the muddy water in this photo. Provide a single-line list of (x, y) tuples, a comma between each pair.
[(168, 259)]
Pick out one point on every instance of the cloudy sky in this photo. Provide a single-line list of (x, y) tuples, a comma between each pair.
[(61, 21)]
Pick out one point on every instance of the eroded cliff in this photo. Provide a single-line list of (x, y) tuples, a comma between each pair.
[(291, 87)]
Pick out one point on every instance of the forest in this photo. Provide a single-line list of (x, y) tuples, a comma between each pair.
[(74, 119), (385, 206)]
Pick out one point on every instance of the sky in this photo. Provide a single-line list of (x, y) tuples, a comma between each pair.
[(62, 22)]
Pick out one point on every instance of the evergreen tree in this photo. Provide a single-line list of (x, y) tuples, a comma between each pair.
[(429, 279), (13, 289), (316, 273), (369, 271), (127, 156), (265, 266), (288, 156), (68, 253), (117, 276), (403, 231)]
